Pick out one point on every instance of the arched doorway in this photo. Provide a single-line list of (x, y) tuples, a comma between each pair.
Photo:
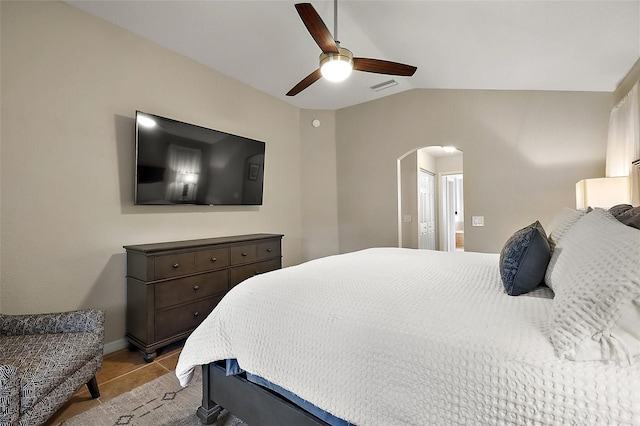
[(430, 198)]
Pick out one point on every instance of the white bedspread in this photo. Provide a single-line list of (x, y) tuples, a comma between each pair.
[(393, 336)]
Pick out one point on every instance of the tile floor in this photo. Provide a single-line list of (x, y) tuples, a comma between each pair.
[(121, 371)]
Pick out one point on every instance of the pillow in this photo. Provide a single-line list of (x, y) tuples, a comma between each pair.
[(630, 217), (524, 259), (617, 210), (596, 309), (559, 226), (561, 222)]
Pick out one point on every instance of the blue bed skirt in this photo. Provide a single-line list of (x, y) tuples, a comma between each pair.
[(233, 368)]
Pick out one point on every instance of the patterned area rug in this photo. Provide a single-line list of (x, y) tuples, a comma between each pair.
[(160, 402)]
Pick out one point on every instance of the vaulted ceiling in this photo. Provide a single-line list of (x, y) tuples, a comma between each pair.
[(501, 45)]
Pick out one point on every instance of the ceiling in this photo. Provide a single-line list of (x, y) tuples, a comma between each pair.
[(502, 45)]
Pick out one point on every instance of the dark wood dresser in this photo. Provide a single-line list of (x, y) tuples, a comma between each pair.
[(173, 286)]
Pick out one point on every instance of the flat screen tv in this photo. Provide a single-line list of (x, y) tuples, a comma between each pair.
[(180, 163)]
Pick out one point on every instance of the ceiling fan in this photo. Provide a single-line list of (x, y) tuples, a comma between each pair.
[(336, 62)]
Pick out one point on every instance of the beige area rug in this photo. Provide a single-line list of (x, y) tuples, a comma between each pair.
[(160, 402)]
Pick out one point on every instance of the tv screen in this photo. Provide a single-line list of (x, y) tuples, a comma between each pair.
[(180, 163)]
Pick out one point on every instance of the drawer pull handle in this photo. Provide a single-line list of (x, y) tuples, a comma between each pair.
[(213, 259), (196, 287), (269, 250), (244, 253), (176, 265), (195, 314)]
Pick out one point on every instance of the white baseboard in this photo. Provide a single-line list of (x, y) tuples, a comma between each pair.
[(115, 346)]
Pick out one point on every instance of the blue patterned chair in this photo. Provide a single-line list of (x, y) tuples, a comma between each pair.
[(44, 360)]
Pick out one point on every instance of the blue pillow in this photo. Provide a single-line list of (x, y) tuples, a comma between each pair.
[(524, 259)]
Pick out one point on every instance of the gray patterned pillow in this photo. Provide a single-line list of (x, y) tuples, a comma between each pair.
[(617, 210), (524, 259), (627, 214)]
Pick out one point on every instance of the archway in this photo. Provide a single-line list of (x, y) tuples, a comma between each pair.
[(431, 218)]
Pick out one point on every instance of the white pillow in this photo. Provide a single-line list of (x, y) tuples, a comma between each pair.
[(596, 309), (559, 225), (562, 221)]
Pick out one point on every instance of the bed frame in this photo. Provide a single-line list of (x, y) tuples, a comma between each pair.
[(248, 401)]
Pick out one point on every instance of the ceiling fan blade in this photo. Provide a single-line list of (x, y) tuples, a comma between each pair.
[(383, 67), (306, 82), (317, 28)]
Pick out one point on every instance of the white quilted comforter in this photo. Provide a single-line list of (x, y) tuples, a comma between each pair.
[(393, 336)]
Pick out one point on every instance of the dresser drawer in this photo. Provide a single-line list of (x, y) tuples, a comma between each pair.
[(172, 286), (183, 290), (173, 265), (241, 273), (184, 318), (268, 250), (212, 259), (243, 254)]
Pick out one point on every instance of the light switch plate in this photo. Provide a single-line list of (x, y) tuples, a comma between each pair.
[(477, 220)]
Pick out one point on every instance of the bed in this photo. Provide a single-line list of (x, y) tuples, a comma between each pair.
[(390, 336)]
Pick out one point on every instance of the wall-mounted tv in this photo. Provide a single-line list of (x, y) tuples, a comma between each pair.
[(180, 163)]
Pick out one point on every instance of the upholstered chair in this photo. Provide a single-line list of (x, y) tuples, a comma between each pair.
[(44, 360)]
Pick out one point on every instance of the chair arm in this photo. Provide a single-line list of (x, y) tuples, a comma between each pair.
[(9, 395), (87, 320)]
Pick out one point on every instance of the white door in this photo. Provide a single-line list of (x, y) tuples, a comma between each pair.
[(426, 210), (452, 212)]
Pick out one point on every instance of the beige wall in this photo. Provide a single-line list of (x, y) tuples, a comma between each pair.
[(426, 161), (319, 185), (523, 153), (450, 164), (409, 199), (71, 85)]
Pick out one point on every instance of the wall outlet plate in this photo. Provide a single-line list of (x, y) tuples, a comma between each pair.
[(477, 220)]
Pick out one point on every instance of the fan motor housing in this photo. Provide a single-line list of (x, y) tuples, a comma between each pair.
[(344, 55)]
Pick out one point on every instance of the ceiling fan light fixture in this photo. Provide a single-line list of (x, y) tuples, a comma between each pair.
[(336, 67), (337, 63)]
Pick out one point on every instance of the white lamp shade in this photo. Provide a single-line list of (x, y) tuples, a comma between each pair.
[(188, 177), (602, 192)]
